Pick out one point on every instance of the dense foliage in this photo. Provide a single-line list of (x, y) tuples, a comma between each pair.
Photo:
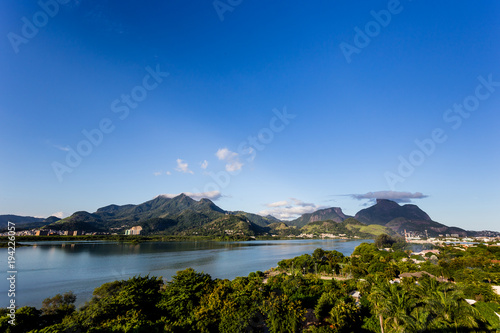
[(322, 292)]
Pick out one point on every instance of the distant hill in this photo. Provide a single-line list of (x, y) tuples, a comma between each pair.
[(386, 210), (182, 215), (259, 220), (22, 221), (159, 215), (407, 217), (333, 214), (161, 207), (232, 225), (385, 213), (350, 227), (79, 221)]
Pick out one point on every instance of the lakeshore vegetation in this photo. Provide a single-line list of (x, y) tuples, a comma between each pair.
[(323, 292)]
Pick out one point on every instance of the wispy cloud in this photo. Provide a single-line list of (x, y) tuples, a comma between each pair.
[(401, 197), (233, 162), (290, 209), (212, 195), (58, 214), (61, 148), (204, 164), (159, 173), (183, 167), (277, 203)]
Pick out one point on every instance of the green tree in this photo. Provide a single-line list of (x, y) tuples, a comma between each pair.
[(384, 241), (180, 298), (447, 307), (326, 303), (59, 304), (283, 314), (27, 319), (345, 316), (393, 305), (133, 299)]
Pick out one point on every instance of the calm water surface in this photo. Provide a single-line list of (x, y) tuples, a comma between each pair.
[(48, 268)]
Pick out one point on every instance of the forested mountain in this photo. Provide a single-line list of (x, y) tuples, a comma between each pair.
[(407, 217), (159, 214), (333, 214), (385, 211), (26, 220), (182, 215)]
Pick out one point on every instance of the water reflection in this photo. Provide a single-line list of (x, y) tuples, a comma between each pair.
[(48, 268), (106, 248)]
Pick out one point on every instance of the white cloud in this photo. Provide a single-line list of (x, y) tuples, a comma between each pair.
[(159, 173), (183, 167), (62, 148), (289, 209), (233, 162), (225, 154), (212, 195), (234, 166), (204, 164), (301, 203), (390, 195), (278, 204), (58, 214)]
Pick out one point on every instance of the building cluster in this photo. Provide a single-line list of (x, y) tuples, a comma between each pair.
[(323, 235), (457, 240), (51, 232), (133, 231)]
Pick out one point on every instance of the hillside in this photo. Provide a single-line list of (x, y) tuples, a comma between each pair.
[(259, 220), (385, 211), (182, 215), (407, 217), (349, 227), (232, 225), (159, 207), (334, 214), (25, 221), (159, 215)]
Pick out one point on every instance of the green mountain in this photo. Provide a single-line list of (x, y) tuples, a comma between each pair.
[(333, 214), (178, 215), (79, 221), (232, 225), (386, 210), (259, 220), (407, 217), (349, 227), (26, 221), (159, 207), (182, 215)]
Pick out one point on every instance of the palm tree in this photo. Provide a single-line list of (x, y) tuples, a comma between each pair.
[(396, 305), (379, 298), (446, 307)]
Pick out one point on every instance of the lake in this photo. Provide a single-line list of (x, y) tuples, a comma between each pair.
[(48, 268)]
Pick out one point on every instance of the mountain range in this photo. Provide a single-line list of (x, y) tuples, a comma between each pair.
[(26, 221), (182, 215)]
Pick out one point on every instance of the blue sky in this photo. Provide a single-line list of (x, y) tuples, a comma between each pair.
[(263, 107)]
